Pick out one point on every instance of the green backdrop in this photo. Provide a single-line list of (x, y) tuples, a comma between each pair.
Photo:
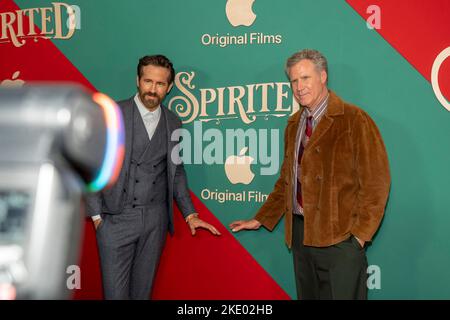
[(411, 247)]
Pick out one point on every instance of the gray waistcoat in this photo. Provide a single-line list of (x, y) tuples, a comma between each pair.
[(147, 179)]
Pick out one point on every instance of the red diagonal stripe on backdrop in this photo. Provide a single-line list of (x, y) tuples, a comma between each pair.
[(419, 30), (223, 269), (200, 267)]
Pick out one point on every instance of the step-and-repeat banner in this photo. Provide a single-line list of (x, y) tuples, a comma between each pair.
[(389, 57)]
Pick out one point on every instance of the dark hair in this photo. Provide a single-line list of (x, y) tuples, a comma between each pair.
[(157, 60)]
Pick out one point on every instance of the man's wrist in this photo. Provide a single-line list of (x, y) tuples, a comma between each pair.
[(191, 216)]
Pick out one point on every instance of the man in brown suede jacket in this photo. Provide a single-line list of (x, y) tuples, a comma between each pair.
[(333, 186)]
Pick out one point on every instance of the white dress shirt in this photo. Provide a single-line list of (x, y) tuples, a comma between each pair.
[(150, 118)]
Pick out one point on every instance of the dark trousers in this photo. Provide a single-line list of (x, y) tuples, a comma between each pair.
[(130, 245), (334, 272)]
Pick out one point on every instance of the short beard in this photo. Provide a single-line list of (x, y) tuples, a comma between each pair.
[(150, 104)]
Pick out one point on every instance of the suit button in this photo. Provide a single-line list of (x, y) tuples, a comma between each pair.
[(124, 190), (151, 200), (135, 199), (138, 164), (317, 149), (154, 166), (134, 206), (137, 181), (153, 182)]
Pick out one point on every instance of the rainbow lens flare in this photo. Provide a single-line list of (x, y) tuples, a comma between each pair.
[(115, 148)]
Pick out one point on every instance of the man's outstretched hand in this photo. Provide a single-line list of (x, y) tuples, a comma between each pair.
[(195, 222), (239, 225)]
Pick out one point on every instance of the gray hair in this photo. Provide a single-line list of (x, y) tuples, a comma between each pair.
[(319, 60)]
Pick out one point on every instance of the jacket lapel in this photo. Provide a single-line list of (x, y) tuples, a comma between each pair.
[(293, 123), (322, 127), (335, 108), (128, 116), (170, 144)]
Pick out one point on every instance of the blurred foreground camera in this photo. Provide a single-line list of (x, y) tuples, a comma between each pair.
[(56, 142)]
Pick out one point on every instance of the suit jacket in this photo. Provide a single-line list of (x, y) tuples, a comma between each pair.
[(112, 200), (345, 178)]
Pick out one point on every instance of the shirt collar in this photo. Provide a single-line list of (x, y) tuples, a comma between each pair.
[(145, 113), (320, 110)]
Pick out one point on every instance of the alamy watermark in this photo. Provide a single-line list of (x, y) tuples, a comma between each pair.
[(74, 277), (374, 277), (229, 146), (374, 20)]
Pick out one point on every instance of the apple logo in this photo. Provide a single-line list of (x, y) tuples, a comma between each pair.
[(14, 82), (237, 168), (239, 12)]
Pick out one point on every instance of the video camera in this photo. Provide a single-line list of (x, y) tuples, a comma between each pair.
[(56, 142)]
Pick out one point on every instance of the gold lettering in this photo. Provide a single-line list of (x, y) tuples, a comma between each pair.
[(58, 24), (220, 105), (19, 24), (7, 25), (237, 99), (280, 95), (30, 12), (264, 95), (44, 20), (250, 108), (205, 101)]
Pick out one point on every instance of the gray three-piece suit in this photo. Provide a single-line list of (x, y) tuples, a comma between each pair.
[(137, 210)]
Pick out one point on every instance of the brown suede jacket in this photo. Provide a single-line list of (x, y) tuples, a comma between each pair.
[(345, 178)]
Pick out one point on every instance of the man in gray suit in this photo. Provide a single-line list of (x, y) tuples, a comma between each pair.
[(132, 218)]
